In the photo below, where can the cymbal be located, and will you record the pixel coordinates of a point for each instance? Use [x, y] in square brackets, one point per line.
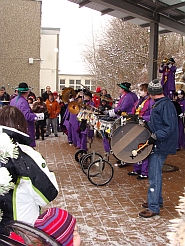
[73, 107]
[67, 94]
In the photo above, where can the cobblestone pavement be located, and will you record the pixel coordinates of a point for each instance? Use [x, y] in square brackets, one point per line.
[108, 215]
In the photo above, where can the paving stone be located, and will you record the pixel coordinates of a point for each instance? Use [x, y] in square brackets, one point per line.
[108, 215]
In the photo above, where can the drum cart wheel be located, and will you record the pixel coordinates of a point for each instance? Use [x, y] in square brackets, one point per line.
[79, 154]
[100, 172]
[87, 159]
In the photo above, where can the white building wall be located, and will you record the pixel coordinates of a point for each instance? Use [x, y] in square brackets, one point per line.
[49, 56]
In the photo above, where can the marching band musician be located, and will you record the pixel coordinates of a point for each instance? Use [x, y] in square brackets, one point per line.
[142, 108]
[74, 123]
[125, 104]
[83, 130]
[181, 101]
[168, 69]
[126, 101]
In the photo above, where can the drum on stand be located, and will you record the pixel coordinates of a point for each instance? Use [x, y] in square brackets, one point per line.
[127, 138]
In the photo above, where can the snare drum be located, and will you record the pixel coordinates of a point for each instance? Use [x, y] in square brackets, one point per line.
[127, 138]
[118, 122]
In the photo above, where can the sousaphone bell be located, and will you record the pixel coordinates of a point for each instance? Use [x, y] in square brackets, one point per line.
[67, 94]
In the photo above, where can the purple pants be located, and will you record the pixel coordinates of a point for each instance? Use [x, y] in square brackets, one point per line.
[142, 168]
[181, 140]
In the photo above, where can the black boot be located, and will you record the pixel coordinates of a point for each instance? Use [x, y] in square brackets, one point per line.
[42, 137]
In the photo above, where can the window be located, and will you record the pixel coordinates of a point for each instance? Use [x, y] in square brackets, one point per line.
[87, 82]
[71, 81]
[78, 82]
[61, 84]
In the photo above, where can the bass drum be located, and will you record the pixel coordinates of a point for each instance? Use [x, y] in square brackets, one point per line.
[130, 137]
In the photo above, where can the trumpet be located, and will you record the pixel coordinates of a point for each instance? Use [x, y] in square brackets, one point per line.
[165, 60]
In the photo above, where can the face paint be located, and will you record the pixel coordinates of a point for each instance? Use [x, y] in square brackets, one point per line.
[142, 93]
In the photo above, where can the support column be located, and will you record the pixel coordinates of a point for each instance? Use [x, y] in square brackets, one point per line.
[153, 51]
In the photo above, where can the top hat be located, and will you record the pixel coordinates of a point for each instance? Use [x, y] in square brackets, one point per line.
[125, 86]
[88, 93]
[171, 60]
[23, 87]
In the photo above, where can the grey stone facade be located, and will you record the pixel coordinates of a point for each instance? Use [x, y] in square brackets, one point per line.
[20, 30]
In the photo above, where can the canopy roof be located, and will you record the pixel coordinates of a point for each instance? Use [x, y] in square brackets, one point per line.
[169, 14]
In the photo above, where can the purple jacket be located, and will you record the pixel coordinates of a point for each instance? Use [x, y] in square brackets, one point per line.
[169, 85]
[22, 104]
[146, 109]
[125, 104]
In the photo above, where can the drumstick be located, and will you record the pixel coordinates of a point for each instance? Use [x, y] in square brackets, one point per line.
[135, 152]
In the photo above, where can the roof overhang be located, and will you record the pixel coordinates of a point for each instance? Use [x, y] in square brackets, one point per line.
[169, 14]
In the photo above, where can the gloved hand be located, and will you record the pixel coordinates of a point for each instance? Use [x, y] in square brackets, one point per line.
[170, 65]
[152, 139]
[181, 115]
[141, 121]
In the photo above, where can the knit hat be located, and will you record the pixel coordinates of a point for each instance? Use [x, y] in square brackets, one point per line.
[125, 86]
[57, 223]
[23, 87]
[155, 88]
[55, 93]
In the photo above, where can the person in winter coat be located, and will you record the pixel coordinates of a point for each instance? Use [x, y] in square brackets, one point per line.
[39, 107]
[21, 103]
[163, 125]
[34, 185]
[53, 108]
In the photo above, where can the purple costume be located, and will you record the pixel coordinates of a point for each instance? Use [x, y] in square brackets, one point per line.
[68, 125]
[181, 140]
[74, 124]
[86, 133]
[144, 112]
[135, 97]
[21, 103]
[168, 80]
[125, 103]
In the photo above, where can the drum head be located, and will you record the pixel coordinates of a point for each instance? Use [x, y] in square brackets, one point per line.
[130, 137]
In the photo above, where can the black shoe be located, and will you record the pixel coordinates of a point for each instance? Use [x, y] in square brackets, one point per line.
[70, 142]
[42, 137]
[123, 164]
[46, 136]
[142, 177]
[56, 135]
[133, 173]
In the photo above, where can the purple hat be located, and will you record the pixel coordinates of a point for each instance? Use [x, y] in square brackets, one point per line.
[57, 223]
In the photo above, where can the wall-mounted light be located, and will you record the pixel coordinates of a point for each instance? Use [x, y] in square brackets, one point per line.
[30, 60]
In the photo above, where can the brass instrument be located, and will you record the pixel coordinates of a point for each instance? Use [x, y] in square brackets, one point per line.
[67, 94]
[75, 107]
[165, 61]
